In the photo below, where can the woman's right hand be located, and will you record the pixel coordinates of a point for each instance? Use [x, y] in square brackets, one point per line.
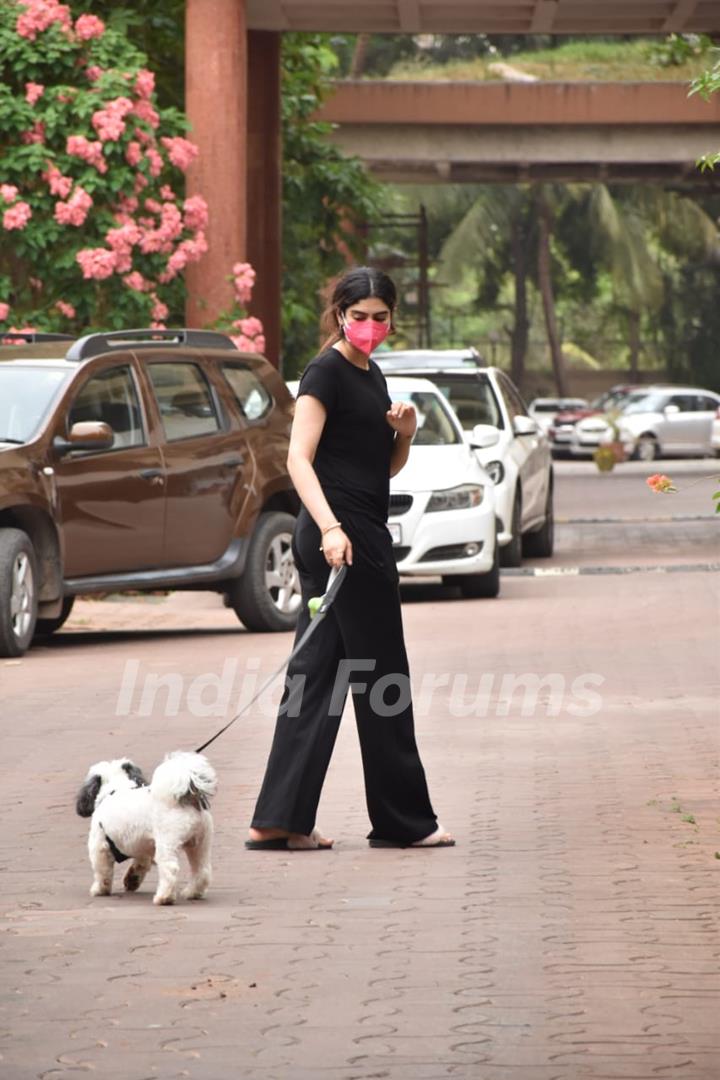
[337, 548]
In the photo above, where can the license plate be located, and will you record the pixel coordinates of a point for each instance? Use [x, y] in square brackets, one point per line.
[395, 530]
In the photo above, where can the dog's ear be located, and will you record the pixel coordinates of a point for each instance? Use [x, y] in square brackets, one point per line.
[134, 774]
[87, 795]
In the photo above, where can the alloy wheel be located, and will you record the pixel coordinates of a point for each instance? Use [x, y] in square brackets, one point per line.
[281, 577]
[21, 595]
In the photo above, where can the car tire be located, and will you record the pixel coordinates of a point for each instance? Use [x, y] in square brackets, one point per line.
[646, 449]
[45, 627]
[18, 592]
[539, 544]
[511, 554]
[481, 586]
[267, 596]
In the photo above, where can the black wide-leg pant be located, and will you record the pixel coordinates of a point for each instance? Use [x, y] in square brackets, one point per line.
[364, 624]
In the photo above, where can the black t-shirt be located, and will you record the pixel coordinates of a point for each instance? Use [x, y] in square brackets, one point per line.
[352, 461]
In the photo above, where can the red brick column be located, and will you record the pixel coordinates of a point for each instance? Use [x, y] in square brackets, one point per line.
[216, 103]
[264, 183]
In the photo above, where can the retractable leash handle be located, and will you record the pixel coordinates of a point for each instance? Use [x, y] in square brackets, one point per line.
[321, 605]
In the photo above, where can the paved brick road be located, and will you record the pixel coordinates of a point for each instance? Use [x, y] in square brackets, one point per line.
[572, 933]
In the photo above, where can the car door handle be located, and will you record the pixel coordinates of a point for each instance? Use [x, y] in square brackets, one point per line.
[154, 475]
[233, 462]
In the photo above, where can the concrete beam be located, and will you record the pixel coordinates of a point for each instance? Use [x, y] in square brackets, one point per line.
[516, 104]
[680, 15]
[543, 17]
[409, 16]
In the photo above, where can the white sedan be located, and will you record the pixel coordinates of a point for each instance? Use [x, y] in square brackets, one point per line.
[442, 506]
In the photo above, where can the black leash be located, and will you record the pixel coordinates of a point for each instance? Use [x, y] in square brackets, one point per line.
[334, 582]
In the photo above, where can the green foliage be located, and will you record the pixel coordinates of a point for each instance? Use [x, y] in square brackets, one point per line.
[676, 49]
[326, 196]
[39, 264]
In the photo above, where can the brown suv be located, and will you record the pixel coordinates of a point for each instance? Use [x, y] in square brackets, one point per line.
[142, 460]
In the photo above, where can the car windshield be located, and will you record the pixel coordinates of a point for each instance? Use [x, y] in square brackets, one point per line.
[473, 401]
[25, 395]
[642, 403]
[435, 427]
[546, 406]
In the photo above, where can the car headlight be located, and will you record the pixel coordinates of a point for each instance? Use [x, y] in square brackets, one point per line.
[458, 498]
[496, 471]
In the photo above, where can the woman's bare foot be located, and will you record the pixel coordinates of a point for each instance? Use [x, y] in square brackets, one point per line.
[296, 841]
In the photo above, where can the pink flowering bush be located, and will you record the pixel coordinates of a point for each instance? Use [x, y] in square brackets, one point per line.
[94, 225]
[245, 330]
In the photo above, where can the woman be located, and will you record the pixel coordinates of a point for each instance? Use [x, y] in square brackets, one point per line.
[347, 440]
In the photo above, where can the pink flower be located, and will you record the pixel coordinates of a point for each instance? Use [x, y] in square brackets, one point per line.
[251, 326]
[660, 484]
[92, 152]
[245, 344]
[167, 193]
[110, 121]
[88, 27]
[65, 309]
[36, 134]
[17, 216]
[4, 311]
[244, 281]
[136, 281]
[144, 83]
[156, 161]
[180, 151]
[33, 91]
[153, 206]
[41, 14]
[133, 153]
[195, 211]
[140, 183]
[124, 237]
[75, 210]
[128, 204]
[144, 111]
[160, 311]
[59, 184]
[8, 192]
[96, 263]
[94, 72]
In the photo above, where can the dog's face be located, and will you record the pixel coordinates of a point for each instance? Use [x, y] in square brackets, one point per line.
[104, 777]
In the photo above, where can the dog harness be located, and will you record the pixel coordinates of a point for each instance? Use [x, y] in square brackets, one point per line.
[117, 854]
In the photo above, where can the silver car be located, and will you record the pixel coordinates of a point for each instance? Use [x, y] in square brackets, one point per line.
[672, 421]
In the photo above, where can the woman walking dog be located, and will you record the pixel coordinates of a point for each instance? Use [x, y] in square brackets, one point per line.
[347, 440]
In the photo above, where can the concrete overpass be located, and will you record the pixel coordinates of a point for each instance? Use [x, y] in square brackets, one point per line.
[428, 132]
[233, 102]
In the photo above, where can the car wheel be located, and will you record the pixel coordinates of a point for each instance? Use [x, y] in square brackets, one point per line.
[539, 545]
[481, 586]
[44, 627]
[267, 596]
[646, 448]
[18, 592]
[511, 554]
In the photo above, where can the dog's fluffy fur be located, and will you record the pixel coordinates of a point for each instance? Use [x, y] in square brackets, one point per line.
[150, 823]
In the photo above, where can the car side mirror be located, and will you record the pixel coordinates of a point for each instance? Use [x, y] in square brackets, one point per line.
[85, 435]
[671, 410]
[483, 436]
[524, 425]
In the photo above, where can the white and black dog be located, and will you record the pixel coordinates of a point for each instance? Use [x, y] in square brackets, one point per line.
[148, 823]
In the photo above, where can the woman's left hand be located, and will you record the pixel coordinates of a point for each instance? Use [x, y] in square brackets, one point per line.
[402, 418]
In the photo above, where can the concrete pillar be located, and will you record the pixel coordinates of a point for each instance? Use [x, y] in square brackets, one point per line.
[216, 103]
[264, 183]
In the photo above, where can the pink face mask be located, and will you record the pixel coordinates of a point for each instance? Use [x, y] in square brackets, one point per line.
[366, 334]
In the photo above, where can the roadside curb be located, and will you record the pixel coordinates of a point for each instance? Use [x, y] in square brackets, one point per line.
[582, 571]
[634, 520]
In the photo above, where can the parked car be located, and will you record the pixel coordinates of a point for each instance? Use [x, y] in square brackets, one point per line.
[142, 460]
[398, 360]
[672, 421]
[441, 514]
[561, 430]
[544, 410]
[715, 434]
[442, 507]
[516, 454]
